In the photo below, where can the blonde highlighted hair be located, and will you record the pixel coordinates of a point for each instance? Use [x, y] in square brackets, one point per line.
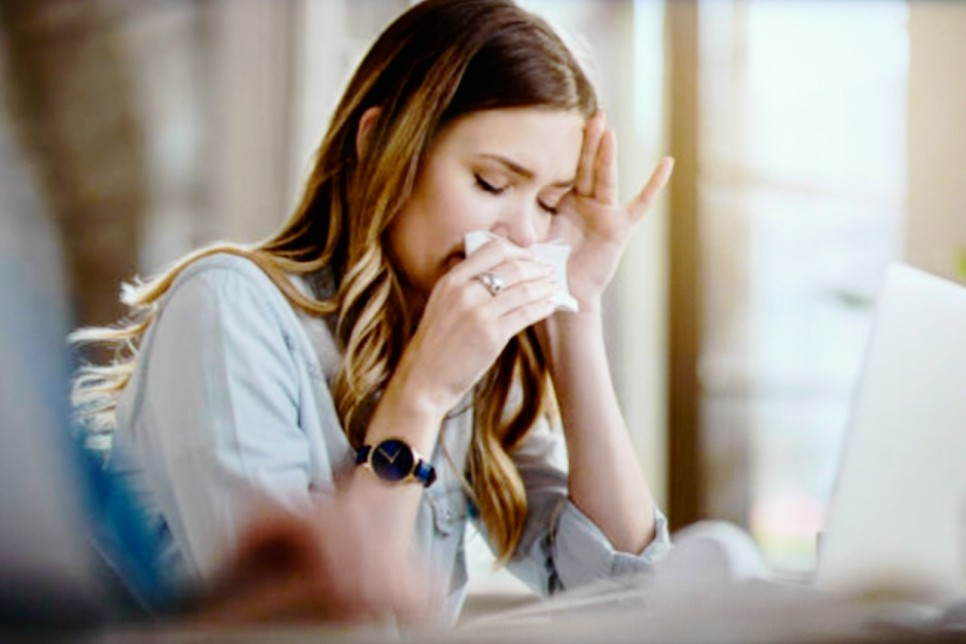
[440, 60]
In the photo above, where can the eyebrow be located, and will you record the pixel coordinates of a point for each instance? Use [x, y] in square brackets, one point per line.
[526, 173]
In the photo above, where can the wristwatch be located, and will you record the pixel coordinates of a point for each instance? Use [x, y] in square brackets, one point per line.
[394, 461]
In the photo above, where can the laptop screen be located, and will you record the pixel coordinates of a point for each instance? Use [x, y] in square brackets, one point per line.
[897, 517]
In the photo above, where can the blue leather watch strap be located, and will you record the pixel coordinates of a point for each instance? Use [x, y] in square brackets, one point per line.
[425, 472]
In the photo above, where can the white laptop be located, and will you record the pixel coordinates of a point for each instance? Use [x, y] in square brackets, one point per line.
[897, 518]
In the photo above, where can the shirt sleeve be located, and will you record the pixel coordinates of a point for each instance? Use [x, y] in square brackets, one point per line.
[561, 547]
[218, 415]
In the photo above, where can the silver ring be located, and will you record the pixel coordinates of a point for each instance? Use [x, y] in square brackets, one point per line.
[492, 283]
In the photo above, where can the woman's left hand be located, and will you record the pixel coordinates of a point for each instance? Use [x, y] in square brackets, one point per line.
[591, 219]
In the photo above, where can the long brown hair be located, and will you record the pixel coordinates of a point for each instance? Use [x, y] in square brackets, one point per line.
[439, 60]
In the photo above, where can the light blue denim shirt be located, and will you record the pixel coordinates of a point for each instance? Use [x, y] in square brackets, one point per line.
[230, 407]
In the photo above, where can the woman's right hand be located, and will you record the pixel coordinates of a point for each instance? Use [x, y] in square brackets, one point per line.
[464, 327]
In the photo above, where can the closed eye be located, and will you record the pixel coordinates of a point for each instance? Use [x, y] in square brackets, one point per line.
[548, 208]
[486, 186]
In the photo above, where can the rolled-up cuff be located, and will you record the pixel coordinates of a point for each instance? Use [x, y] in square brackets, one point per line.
[583, 554]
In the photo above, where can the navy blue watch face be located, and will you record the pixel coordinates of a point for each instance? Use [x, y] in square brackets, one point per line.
[392, 460]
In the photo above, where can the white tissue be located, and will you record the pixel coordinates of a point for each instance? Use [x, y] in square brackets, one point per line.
[554, 253]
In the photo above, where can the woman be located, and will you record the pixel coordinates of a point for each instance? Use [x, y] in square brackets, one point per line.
[361, 347]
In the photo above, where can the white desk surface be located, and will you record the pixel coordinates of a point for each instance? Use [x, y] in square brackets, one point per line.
[744, 613]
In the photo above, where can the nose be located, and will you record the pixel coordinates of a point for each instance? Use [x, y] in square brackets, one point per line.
[520, 226]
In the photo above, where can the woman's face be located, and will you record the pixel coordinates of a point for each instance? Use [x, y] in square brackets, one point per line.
[502, 170]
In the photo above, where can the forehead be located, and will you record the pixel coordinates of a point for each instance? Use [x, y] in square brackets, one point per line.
[545, 141]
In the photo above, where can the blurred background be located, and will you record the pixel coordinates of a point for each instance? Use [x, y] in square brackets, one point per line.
[815, 141]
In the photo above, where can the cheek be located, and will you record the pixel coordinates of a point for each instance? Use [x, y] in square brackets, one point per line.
[407, 243]
[543, 227]
[454, 211]
[459, 207]
[420, 240]
[431, 226]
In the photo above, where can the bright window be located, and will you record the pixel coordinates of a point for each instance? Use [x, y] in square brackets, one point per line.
[802, 193]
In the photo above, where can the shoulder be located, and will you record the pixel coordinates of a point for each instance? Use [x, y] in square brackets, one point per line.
[227, 297]
[226, 281]
[231, 295]
[223, 268]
